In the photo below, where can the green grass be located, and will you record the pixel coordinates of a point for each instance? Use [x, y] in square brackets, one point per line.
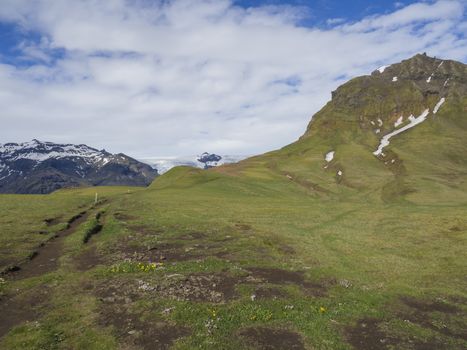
[367, 255]
[22, 218]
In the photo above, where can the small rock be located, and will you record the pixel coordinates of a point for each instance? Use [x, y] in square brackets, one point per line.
[345, 283]
[168, 310]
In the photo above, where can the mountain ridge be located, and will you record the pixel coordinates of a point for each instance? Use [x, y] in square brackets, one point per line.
[43, 167]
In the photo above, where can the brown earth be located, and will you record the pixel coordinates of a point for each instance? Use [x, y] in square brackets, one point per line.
[21, 308]
[45, 259]
[132, 329]
[264, 338]
[429, 306]
[279, 276]
[124, 217]
[446, 322]
[88, 259]
[213, 288]
[270, 293]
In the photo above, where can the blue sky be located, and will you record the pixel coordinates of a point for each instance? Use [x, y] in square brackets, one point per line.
[180, 77]
[322, 10]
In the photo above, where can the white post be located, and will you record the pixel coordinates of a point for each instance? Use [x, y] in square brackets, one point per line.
[95, 200]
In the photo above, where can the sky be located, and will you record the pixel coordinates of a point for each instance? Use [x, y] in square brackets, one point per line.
[179, 77]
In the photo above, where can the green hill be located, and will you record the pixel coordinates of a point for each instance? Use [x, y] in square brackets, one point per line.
[426, 163]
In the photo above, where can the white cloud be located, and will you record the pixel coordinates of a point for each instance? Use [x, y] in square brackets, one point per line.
[182, 77]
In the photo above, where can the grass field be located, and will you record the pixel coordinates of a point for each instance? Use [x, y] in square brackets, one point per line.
[214, 260]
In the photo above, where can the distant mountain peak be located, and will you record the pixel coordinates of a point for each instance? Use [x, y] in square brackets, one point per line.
[209, 159]
[40, 167]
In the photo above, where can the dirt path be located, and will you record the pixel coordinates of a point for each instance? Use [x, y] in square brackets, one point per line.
[46, 259]
[24, 307]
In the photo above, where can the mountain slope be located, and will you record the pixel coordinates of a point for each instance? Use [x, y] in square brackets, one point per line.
[43, 167]
[396, 134]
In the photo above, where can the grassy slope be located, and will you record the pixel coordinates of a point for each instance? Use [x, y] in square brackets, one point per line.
[366, 255]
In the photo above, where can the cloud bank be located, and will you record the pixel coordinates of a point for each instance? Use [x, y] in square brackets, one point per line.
[182, 77]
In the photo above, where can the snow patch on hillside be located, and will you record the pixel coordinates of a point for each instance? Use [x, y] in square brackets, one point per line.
[399, 121]
[438, 105]
[329, 156]
[382, 69]
[412, 122]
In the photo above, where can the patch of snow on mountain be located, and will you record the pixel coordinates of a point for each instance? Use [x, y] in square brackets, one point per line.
[394, 79]
[438, 105]
[429, 78]
[382, 69]
[329, 156]
[399, 121]
[40, 151]
[412, 122]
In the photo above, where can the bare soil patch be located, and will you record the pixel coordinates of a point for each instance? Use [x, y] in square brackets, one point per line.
[279, 276]
[88, 259]
[193, 236]
[169, 252]
[366, 335]
[371, 334]
[446, 322]
[286, 249]
[214, 288]
[124, 217]
[145, 230]
[162, 252]
[243, 227]
[132, 329]
[265, 338]
[21, 308]
[52, 221]
[450, 320]
[270, 293]
[429, 306]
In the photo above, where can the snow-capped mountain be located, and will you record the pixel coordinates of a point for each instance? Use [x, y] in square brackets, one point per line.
[164, 164]
[42, 167]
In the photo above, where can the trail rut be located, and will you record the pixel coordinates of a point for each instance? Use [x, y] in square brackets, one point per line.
[46, 258]
[20, 308]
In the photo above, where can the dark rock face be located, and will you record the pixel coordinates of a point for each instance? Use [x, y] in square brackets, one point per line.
[43, 167]
[405, 88]
[209, 159]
